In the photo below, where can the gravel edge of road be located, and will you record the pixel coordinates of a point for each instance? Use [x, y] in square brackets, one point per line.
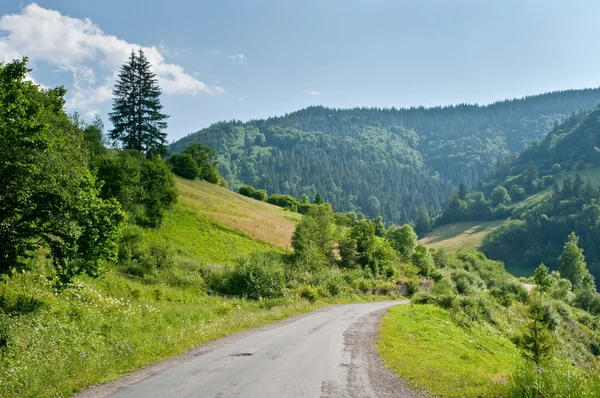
[361, 341]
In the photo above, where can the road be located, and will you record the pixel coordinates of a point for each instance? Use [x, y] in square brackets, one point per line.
[327, 353]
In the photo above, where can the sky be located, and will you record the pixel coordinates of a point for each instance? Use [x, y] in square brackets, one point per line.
[250, 59]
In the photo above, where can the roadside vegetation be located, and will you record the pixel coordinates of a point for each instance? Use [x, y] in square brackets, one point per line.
[110, 263]
[479, 332]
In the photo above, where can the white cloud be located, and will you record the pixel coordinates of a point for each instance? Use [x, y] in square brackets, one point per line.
[237, 57]
[93, 57]
[314, 93]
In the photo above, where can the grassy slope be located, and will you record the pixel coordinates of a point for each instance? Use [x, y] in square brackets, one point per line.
[103, 329]
[456, 236]
[213, 224]
[424, 346]
[470, 234]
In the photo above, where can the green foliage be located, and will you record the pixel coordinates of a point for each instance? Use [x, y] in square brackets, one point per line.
[397, 156]
[555, 380]
[48, 199]
[285, 201]
[205, 161]
[184, 166]
[403, 239]
[260, 276]
[136, 117]
[544, 282]
[499, 196]
[423, 260]
[538, 340]
[362, 248]
[258, 194]
[423, 222]
[315, 232]
[160, 192]
[133, 180]
[572, 262]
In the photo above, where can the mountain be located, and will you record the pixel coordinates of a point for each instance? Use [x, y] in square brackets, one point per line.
[539, 226]
[383, 162]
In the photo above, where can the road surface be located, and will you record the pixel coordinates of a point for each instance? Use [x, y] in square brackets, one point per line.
[327, 353]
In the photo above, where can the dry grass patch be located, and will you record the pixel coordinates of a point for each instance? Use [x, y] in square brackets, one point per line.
[260, 220]
[460, 235]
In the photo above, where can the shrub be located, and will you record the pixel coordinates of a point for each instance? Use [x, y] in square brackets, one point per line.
[184, 166]
[422, 259]
[308, 292]
[260, 276]
[250, 192]
[557, 379]
[285, 201]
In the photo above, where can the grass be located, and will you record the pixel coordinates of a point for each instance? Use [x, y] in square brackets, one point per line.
[260, 220]
[102, 329]
[422, 345]
[214, 225]
[201, 238]
[461, 235]
[54, 344]
[470, 234]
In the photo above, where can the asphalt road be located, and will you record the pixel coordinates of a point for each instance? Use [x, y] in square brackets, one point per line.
[327, 353]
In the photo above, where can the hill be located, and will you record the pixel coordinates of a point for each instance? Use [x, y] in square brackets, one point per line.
[460, 235]
[383, 162]
[548, 191]
[214, 224]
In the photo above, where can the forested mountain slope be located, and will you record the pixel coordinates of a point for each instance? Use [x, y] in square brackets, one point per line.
[539, 229]
[547, 192]
[383, 162]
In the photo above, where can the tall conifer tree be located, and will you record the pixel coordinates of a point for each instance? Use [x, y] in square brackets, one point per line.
[136, 117]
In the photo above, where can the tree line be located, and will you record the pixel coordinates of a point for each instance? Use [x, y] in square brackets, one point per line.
[383, 162]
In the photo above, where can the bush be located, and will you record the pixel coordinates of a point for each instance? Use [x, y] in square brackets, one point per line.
[250, 192]
[556, 380]
[184, 166]
[285, 201]
[261, 276]
[308, 292]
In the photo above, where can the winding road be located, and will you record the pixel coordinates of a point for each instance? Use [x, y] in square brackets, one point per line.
[327, 353]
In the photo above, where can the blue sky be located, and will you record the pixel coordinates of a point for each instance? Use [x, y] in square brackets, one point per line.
[222, 60]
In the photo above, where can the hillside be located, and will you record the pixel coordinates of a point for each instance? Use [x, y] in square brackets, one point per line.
[383, 162]
[548, 191]
[216, 224]
[460, 235]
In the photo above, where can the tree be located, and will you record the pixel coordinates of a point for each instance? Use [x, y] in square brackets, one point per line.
[462, 191]
[499, 196]
[205, 159]
[403, 239]
[160, 192]
[315, 232]
[572, 262]
[542, 279]
[137, 118]
[423, 222]
[93, 135]
[379, 227]
[304, 199]
[318, 199]
[48, 197]
[184, 166]
[423, 260]
[538, 340]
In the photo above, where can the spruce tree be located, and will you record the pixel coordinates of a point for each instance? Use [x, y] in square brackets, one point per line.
[572, 262]
[136, 117]
[423, 222]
